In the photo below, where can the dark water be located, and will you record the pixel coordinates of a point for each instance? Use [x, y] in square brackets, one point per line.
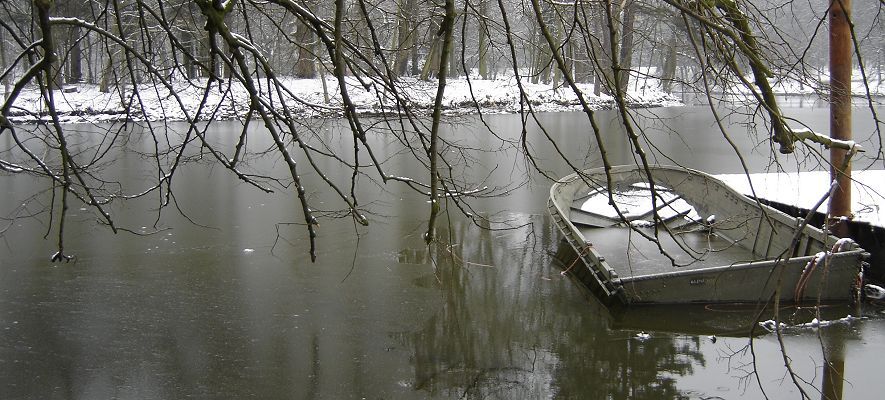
[233, 308]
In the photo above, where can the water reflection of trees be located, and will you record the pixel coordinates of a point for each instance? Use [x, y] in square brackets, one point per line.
[511, 327]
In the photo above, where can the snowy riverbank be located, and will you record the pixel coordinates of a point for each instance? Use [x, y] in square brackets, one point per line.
[804, 189]
[311, 98]
[307, 98]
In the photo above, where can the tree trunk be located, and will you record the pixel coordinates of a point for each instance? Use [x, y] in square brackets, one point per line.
[93, 60]
[668, 72]
[626, 53]
[603, 57]
[75, 59]
[454, 56]
[671, 56]
[483, 33]
[557, 73]
[56, 73]
[431, 63]
[108, 72]
[305, 65]
[414, 64]
[104, 82]
[542, 62]
[5, 82]
[405, 35]
[227, 71]
[212, 61]
[187, 41]
[543, 56]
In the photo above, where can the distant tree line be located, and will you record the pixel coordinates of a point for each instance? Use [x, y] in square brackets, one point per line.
[650, 37]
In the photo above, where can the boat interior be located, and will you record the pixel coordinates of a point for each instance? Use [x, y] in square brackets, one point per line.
[655, 231]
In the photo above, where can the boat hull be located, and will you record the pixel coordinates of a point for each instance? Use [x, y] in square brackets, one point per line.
[754, 282]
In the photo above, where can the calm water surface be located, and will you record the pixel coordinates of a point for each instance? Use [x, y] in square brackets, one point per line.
[233, 308]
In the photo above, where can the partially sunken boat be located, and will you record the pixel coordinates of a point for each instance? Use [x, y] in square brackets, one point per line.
[683, 236]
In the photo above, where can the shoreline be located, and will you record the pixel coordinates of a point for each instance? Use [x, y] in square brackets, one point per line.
[316, 98]
[310, 98]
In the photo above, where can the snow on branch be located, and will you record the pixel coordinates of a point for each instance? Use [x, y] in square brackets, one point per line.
[802, 134]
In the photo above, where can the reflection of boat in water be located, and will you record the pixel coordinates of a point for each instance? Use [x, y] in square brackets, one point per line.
[689, 238]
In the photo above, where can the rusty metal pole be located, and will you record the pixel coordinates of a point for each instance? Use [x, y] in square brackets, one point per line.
[840, 111]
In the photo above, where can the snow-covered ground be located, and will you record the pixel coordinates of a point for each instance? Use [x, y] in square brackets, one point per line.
[805, 189]
[814, 84]
[311, 98]
[875, 85]
[85, 103]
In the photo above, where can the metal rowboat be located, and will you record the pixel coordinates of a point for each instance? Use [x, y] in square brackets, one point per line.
[683, 236]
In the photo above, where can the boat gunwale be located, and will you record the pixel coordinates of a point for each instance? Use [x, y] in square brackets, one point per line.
[778, 262]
